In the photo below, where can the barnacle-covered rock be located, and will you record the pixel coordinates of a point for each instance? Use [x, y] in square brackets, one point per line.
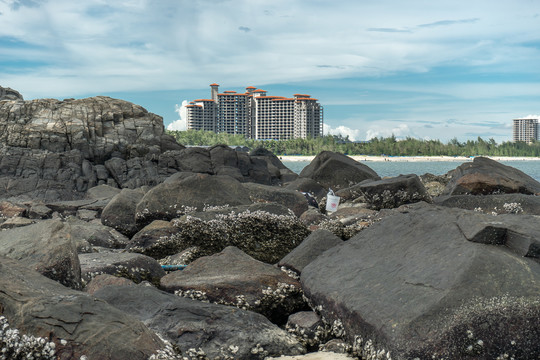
[494, 204]
[121, 210]
[264, 235]
[388, 193]
[234, 278]
[309, 328]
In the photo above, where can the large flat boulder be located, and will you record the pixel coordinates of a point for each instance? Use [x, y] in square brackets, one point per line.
[291, 199]
[195, 193]
[45, 247]
[234, 278]
[337, 171]
[79, 325]
[415, 286]
[202, 330]
[484, 176]
[120, 212]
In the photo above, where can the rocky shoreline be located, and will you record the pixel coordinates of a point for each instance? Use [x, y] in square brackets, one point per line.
[96, 199]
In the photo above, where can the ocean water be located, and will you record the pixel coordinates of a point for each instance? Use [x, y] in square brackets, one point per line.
[395, 168]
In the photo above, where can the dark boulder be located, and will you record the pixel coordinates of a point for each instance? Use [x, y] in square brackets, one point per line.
[79, 325]
[45, 247]
[484, 176]
[195, 193]
[234, 278]
[310, 186]
[291, 199]
[202, 330]
[498, 204]
[90, 234]
[387, 193]
[120, 212]
[314, 245]
[135, 267]
[414, 285]
[337, 171]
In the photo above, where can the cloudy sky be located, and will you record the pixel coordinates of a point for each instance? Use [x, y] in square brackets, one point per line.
[425, 69]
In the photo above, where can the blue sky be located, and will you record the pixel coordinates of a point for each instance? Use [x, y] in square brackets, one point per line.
[426, 69]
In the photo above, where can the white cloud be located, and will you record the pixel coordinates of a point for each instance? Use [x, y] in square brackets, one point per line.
[353, 134]
[94, 45]
[530, 117]
[179, 124]
[400, 131]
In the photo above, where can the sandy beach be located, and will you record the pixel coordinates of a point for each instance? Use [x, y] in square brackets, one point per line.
[409, 158]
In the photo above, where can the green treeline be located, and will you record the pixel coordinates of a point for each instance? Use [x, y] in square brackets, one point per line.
[378, 146]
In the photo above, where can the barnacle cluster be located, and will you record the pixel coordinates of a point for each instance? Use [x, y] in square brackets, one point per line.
[15, 346]
[265, 236]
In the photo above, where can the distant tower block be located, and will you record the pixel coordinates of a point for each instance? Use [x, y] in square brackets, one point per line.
[214, 91]
[525, 129]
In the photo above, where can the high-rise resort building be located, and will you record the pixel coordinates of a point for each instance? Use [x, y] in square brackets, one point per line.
[256, 115]
[526, 129]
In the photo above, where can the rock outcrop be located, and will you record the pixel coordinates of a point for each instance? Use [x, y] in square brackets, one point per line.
[9, 94]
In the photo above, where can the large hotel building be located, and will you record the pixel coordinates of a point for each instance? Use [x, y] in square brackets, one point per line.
[525, 129]
[256, 115]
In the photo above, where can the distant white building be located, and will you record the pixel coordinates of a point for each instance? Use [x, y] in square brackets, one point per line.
[525, 129]
[256, 115]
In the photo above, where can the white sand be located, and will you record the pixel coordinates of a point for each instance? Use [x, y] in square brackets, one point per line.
[410, 158]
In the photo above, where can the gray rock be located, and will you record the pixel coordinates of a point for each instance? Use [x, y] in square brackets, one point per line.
[498, 204]
[337, 171]
[96, 234]
[78, 324]
[217, 331]
[387, 193]
[412, 284]
[135, 267]
[309, 328]
[234, 278]
[102, 192]
[314, 245]
[98, 282]
[307, 185]
[16, 222]
[46, 247]
[39, 211]
[484, 176]
[121, 210]
[9, 209]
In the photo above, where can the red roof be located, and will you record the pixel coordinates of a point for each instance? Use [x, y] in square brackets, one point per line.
[301, 99]
[214, 84]
[190, 106]
[231, 93]
[203, 100]
[259, 90]
[251, 87]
